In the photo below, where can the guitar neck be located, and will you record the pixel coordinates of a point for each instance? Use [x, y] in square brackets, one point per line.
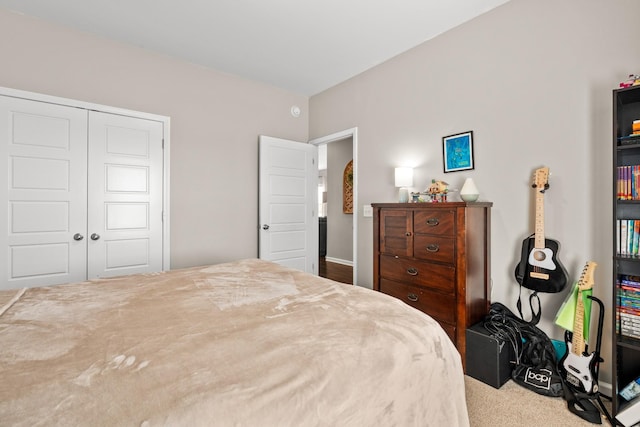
[577, 340]
[539, 221]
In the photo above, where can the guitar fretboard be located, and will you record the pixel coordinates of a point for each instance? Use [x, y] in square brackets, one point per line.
[577, 340]
[539, 222]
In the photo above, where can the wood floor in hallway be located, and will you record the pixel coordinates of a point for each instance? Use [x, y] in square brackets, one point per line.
[334, 271]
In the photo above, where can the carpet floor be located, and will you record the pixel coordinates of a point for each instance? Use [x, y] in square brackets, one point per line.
[514, 405]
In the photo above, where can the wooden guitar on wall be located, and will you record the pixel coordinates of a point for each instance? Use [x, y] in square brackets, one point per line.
[577, 366]
[539, 268]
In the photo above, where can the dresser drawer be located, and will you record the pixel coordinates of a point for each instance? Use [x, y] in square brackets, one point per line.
[440, 307]
[418, 273]
[435, 221]
[434, 248]
[450, 330]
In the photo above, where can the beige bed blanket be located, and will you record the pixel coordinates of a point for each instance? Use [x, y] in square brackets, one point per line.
[247, 343]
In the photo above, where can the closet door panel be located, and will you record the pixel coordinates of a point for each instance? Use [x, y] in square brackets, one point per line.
[125, 197]
[44, 149]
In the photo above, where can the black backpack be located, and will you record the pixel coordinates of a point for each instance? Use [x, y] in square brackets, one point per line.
[535, 366]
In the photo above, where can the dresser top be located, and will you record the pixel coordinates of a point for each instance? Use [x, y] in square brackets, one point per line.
[442, 205]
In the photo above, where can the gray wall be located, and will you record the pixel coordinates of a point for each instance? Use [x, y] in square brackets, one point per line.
[339, 224]
[215, 122]
[533, 80]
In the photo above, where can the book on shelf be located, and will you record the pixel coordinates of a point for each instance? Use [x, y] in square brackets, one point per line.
[631, 390]
[630, 288]
[629, 139]
[628, 324]
[627, 297]
[635, 237]
[631, 325]
[628, 305]
[629, 332]
[628, 182]
[629, 313]
[622, 236]
[628, 237]
[631, 302]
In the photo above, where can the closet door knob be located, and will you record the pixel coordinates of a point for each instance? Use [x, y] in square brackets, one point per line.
[78, 236]
[95, 236]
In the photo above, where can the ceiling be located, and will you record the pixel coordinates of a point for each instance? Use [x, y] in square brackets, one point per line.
[304, 46]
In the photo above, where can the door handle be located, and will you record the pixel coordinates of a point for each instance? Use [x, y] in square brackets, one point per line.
[78, 236]
[95, 236]
[265, 227]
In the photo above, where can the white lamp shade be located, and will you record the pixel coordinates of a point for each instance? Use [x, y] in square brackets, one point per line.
[404, 177]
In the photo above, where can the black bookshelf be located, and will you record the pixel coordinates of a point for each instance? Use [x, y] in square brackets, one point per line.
[626, 152]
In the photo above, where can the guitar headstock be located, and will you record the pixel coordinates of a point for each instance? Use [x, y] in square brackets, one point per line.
[541, 179]
[586, 278]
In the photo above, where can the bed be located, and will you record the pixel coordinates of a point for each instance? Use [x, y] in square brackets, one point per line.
[246, 343]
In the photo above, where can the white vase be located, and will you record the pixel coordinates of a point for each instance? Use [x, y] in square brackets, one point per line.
[469, 191]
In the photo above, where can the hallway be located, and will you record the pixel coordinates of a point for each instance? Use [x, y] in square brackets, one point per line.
[334, 271]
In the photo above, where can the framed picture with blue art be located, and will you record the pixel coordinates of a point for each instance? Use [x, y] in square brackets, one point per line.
[458, 152]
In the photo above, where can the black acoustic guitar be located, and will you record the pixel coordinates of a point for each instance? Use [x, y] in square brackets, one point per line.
[539, 268]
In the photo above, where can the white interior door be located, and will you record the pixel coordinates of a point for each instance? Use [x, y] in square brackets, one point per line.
[44, 148]
[125, 195]
[288, 220]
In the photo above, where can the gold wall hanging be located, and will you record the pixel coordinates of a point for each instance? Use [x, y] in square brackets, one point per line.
[347, 189]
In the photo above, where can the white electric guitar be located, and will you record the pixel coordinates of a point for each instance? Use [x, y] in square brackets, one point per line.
[577, 366]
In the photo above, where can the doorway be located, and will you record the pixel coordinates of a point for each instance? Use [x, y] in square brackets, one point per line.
[340, 241]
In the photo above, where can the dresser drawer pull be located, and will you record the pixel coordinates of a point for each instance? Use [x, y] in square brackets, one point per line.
[433, 248]
[433, 222]
[408, 233]
[412, 271]
[412, 297]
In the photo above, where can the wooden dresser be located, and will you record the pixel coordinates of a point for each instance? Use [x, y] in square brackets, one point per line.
[436, 258]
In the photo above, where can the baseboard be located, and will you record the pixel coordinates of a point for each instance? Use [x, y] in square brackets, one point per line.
[339, 261]
[605, 388]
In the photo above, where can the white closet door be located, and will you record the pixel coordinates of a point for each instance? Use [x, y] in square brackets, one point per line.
[44, 186]
[125, 195]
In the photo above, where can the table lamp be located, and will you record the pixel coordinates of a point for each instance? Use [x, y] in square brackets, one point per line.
[404, 179]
